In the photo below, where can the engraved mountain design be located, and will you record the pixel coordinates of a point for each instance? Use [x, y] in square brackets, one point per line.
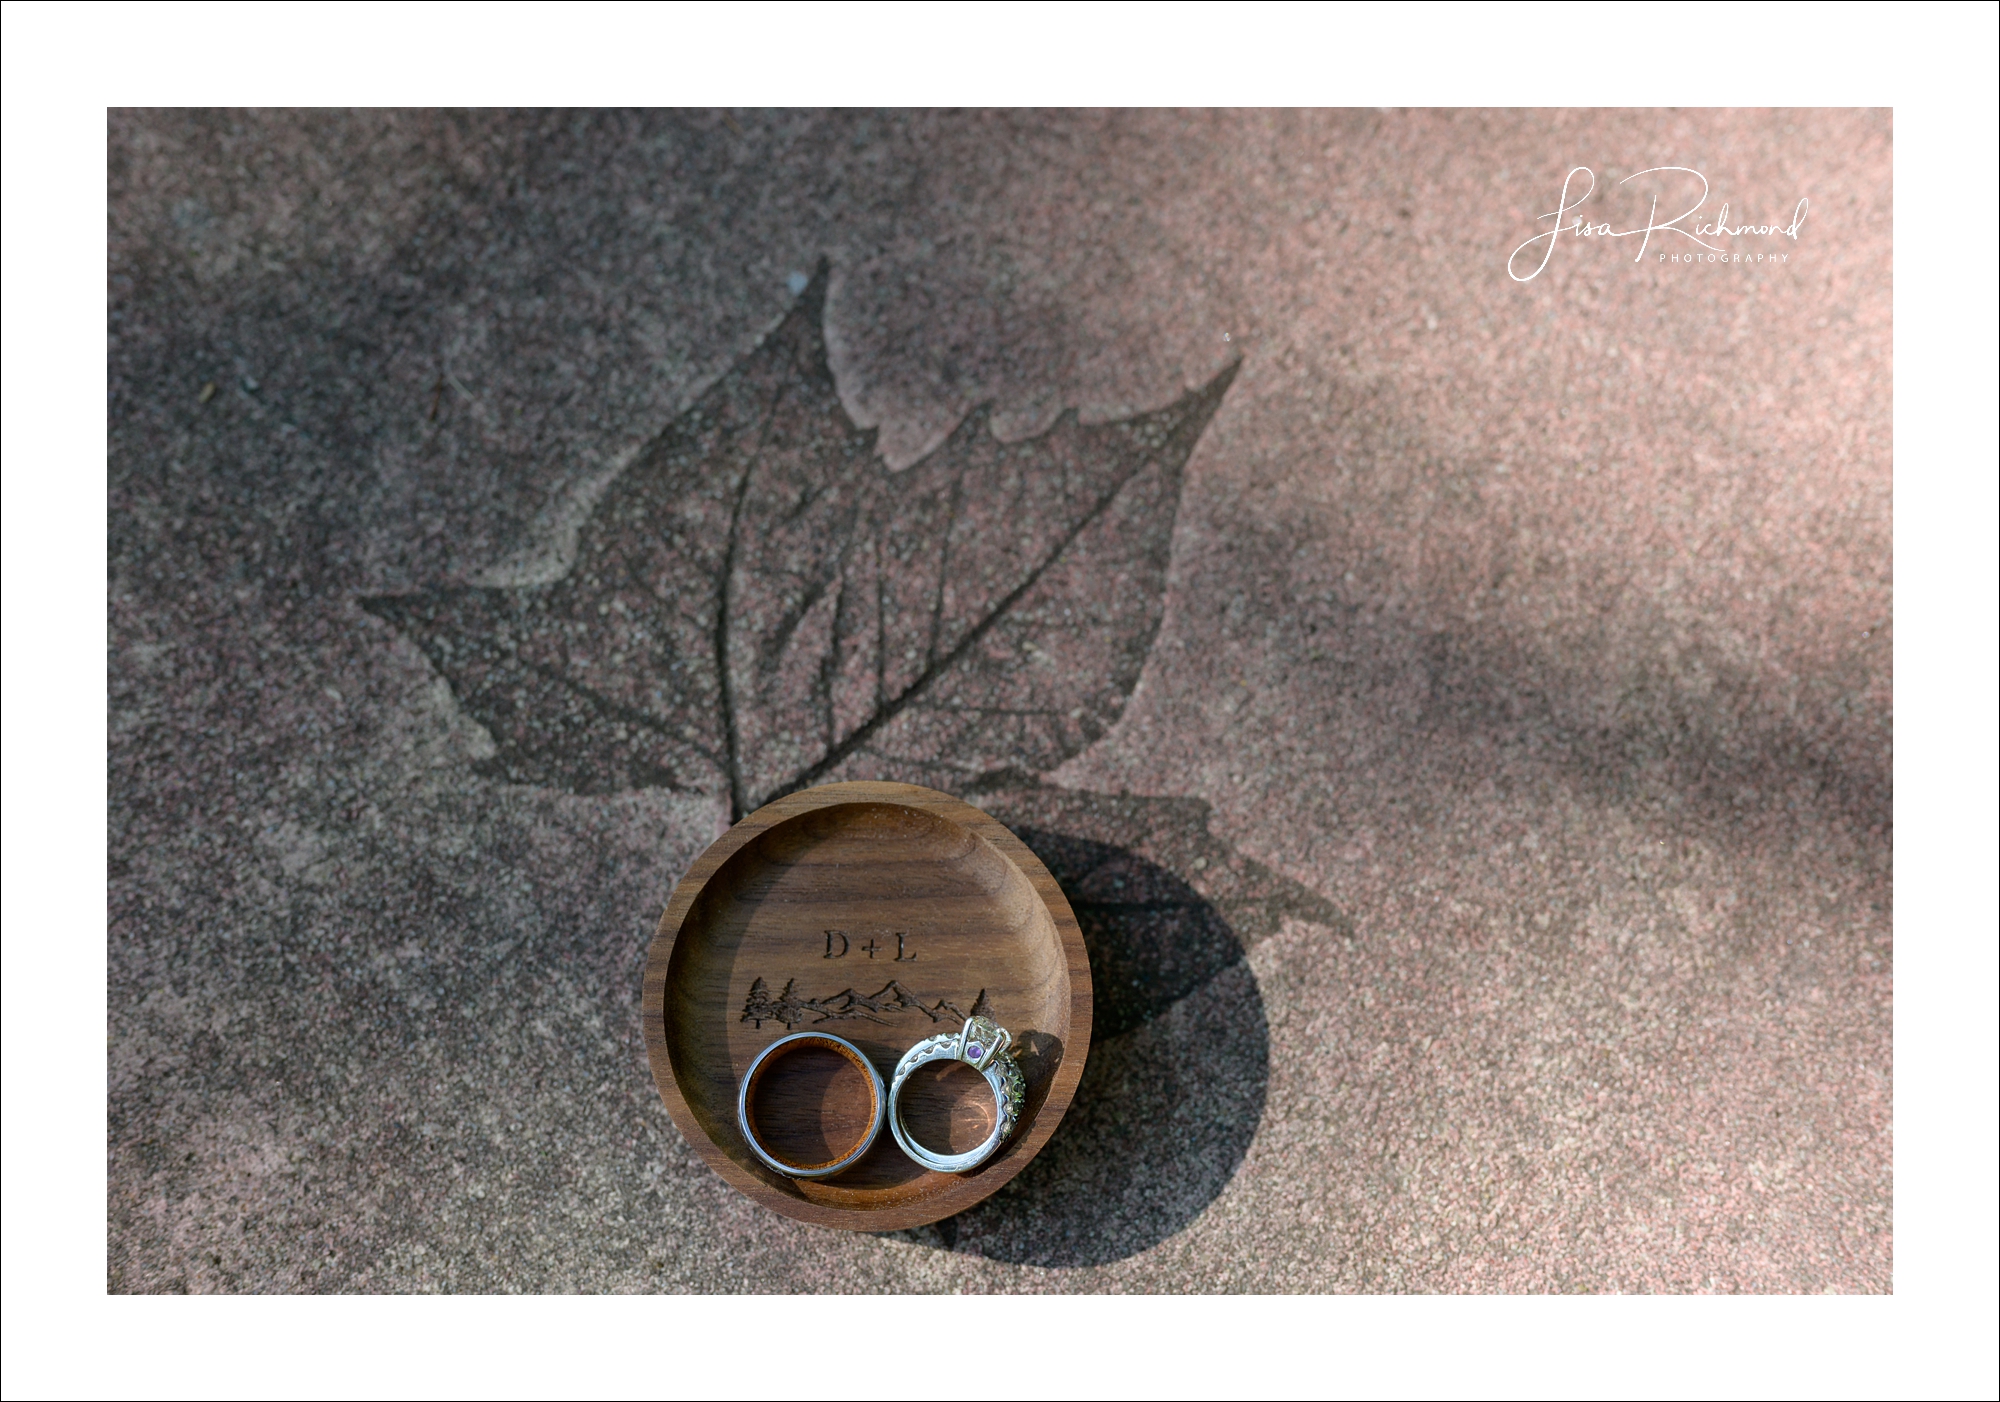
[759, 604]
[790, 1009]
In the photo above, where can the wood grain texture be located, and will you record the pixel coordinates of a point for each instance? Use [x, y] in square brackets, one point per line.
[883, 913]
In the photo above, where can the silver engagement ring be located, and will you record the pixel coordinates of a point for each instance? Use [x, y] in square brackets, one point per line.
[982, 1045]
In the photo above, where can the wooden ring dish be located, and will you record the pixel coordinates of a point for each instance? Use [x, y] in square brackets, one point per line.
[882, 913]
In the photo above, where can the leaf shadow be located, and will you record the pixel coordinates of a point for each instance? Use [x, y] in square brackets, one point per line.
[757, 604]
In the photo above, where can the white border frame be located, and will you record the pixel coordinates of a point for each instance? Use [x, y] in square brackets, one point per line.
[63, 65]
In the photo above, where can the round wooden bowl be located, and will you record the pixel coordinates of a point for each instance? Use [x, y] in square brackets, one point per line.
[881, 913]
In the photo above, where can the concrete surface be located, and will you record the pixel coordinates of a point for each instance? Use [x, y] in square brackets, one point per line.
[1493, 718]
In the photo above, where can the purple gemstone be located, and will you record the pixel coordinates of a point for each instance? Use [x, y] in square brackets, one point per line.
[975, 1051]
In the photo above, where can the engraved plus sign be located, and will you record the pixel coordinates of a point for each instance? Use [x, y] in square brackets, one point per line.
[871, 946]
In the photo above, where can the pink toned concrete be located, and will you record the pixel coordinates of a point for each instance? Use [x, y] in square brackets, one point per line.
[1538, 631]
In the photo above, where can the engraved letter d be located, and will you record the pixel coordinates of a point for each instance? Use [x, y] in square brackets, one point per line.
[831, 952]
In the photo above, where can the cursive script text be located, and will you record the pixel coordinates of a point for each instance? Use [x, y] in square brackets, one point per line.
[1573, 197]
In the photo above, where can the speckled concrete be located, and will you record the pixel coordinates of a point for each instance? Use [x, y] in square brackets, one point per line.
[1512, 742]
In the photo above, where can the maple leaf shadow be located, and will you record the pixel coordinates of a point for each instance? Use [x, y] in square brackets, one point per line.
[759, 604]
[1173, 1089]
